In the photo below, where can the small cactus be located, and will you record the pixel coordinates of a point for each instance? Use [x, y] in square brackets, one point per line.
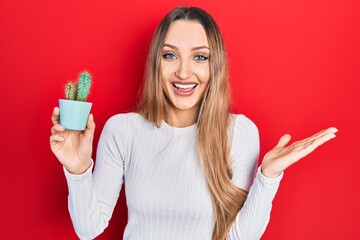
[83, 86]
[71, 91]
[79, 91]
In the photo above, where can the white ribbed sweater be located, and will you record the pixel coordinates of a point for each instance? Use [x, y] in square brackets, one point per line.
[166, 192]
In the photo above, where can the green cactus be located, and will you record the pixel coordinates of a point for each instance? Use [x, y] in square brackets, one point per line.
[79, 91]
[71, 91]
[83, 86]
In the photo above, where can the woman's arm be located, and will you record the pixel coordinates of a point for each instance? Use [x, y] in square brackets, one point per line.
[92, 196]
[252, 219]
[254, 216]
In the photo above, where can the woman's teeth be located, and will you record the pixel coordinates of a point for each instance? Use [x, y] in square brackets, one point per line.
[184, 86]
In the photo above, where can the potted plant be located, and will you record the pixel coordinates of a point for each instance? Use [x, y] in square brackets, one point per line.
[74, 110]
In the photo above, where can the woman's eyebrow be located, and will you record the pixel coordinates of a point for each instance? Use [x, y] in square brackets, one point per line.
[193, 49]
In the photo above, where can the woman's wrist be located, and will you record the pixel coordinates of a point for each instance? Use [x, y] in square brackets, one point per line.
[268, 173]
[79, 170]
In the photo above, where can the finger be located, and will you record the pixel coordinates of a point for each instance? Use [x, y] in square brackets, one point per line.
[285, 139]
[56, 138]
[311, 146]
[55, 116]
[320, 134]
[57, 128]
[90, 127]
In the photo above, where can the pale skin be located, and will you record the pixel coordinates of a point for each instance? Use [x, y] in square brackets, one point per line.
[185, 60]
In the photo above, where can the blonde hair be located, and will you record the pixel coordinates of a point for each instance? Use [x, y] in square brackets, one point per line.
[213, 120]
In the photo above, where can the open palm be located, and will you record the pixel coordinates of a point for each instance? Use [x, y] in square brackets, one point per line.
[282, 156]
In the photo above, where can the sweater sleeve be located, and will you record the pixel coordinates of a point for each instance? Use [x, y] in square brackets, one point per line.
[92, 196]
[251, 221]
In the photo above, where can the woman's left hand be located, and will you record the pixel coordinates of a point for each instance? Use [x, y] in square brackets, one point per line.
[281, 157]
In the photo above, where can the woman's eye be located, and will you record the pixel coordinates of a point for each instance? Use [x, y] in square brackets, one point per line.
[169, 56]
[201, 58]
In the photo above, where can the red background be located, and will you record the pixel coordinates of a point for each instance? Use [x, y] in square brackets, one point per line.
[294, 69]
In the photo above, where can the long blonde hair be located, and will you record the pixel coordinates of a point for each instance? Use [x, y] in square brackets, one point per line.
[213, 120]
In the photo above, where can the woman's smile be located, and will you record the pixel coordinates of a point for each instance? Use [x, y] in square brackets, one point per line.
[184, 89]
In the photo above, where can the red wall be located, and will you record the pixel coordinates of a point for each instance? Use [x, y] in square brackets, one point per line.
[294, 68]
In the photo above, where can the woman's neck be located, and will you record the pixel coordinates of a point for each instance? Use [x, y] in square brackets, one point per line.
[181, 118]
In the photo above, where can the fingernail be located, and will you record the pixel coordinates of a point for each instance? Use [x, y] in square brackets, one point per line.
[61, 138]
[61, 127]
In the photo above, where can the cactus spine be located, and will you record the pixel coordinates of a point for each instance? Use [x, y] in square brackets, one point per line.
[79, 91]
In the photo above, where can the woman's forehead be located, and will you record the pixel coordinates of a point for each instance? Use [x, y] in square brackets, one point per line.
[186, 34]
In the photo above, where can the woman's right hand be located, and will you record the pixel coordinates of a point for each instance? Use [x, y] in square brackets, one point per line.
[72, 148]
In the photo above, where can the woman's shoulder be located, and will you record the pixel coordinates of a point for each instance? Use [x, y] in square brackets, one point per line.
[131, 120]
[243, 124]
[124, 117]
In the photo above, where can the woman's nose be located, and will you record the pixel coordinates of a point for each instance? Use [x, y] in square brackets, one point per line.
[184, 70]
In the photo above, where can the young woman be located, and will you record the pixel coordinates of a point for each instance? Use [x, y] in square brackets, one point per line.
[189, 166]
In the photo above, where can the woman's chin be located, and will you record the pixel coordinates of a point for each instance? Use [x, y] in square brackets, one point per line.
[184, 107]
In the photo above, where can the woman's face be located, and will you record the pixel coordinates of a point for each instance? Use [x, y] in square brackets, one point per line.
[185, 68]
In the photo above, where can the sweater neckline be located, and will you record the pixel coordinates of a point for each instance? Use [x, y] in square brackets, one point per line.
[165, 125]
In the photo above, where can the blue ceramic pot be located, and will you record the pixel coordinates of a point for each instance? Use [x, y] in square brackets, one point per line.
[74, 114]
